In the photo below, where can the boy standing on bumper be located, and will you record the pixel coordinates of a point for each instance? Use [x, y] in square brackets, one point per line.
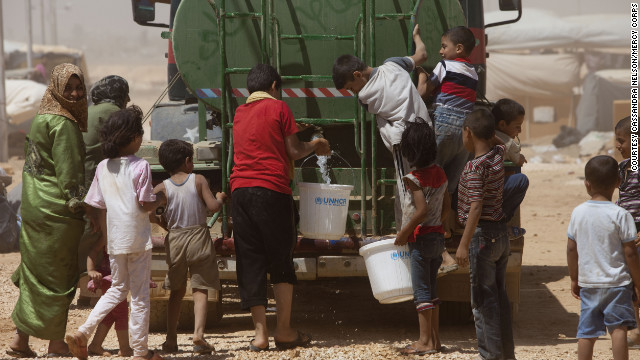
[603, 262]
[188, 243]
[484, 245]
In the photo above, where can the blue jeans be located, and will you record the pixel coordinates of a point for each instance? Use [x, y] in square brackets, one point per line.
[515, 188]
[426, 258]
[488, 256]
[452, 156]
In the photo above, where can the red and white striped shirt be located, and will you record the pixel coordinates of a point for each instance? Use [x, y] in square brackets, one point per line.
[483, 180]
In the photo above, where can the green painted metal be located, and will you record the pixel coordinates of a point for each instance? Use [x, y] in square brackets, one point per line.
[216, 42]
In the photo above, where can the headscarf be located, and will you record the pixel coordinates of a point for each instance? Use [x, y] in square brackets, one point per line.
[112, 89]
[54, 103]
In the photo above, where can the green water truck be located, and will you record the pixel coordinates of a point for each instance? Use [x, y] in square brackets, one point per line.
[212, 46]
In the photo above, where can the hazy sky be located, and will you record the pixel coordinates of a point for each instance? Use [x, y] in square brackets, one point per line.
[105, 31]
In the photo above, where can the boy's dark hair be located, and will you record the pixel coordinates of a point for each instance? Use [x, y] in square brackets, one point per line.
[602, 172]
[261, 77]
[625, 125]
[343, 69]
[462, 35]
[172, 154]
[418, 144]
[120, 129]
[481, 123]
[507, 110]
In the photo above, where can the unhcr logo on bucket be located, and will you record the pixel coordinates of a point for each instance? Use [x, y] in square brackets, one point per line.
[330, 201]
[397, 255]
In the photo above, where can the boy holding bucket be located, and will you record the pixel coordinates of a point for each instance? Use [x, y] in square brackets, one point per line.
[264, 134]
[422, 214]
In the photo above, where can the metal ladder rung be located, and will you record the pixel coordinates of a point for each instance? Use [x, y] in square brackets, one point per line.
[318, 121]
[393, 16]
[307, 77]
[237, 70]
[249, 15]
[317, 37]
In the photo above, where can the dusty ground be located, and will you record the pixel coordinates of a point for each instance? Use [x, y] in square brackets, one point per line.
[347, 323]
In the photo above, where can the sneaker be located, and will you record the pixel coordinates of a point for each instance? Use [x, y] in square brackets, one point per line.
[514, 232]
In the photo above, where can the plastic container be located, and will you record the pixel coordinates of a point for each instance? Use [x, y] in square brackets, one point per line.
[389, 270]
[323, 210]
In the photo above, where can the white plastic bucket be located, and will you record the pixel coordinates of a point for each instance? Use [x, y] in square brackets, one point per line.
[389, 270]
[323, 210]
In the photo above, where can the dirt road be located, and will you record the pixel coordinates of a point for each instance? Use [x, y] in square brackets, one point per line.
[347, 323]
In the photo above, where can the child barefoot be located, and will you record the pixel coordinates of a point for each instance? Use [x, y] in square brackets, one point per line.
[422, 228]
[122, 186]
[101, 278]
[188, 243]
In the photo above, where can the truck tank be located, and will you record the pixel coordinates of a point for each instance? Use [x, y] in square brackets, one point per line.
[214, 43]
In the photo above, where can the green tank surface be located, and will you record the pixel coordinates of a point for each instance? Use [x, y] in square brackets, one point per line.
[302, 39]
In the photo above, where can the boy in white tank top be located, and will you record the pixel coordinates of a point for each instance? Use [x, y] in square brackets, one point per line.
[188, 244]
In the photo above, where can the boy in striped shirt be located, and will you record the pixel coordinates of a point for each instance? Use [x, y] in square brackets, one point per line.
[629, 198]
[453, 85]
[484, 245]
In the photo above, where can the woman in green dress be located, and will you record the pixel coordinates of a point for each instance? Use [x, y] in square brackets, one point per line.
[52, 214]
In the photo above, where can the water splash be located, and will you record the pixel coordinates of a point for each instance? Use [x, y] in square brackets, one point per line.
[324, 169]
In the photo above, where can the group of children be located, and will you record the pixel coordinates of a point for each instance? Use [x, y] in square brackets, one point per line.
[123, 186]
[454, 163]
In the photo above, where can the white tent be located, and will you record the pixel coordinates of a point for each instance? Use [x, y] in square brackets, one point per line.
[23, 99]
[539, 29]
[542, 56]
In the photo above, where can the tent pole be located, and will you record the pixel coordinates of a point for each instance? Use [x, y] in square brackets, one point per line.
[29, 37]
[4, 131]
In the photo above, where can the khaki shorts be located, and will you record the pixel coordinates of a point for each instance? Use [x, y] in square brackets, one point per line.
[191, 250]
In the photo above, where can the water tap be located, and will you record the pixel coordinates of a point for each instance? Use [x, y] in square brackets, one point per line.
[317, 133]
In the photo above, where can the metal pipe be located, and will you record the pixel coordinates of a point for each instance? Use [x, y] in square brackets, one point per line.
[372, 61]
[202, 121]
[29, 36]
[363, 132]
[43, 39]
[223, 106]
[263, 35]
[54, 21]
[4, 121]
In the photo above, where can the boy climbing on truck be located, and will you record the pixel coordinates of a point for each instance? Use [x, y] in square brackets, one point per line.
[509, 116]
[453, 84]
[388, 92]
[188, 244]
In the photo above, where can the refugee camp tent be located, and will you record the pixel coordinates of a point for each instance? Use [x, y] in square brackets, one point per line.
[556, 61]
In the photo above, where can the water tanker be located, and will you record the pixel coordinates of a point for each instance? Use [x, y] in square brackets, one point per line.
[212, 46]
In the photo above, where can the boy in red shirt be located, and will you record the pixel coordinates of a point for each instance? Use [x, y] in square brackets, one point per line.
[264, 135]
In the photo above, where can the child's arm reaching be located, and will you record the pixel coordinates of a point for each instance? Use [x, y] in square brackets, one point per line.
[416, 219]
[572, 261]
[92, 257]
[214, 204]
[153, 217]
[420, 55]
